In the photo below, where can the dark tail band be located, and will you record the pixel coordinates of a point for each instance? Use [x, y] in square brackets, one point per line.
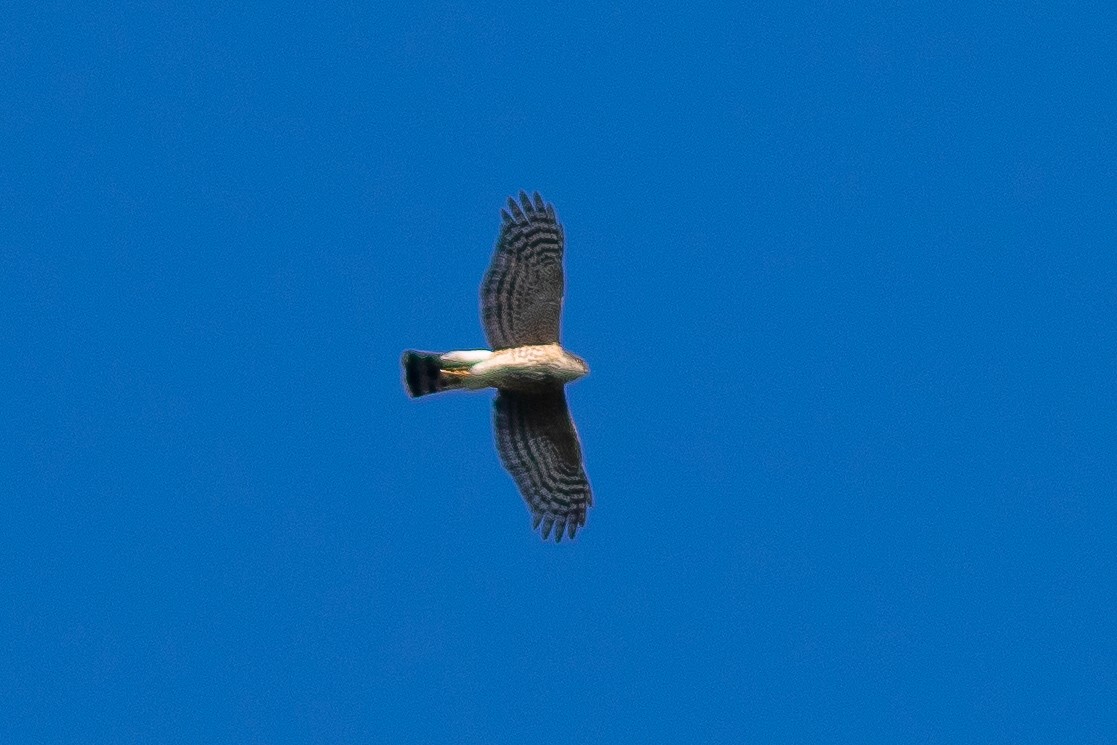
[422, 372]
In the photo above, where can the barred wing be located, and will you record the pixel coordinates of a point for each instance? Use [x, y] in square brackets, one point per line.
[538, 445]
[521, 295]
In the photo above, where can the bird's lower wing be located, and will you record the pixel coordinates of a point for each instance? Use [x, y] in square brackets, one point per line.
[539, 447]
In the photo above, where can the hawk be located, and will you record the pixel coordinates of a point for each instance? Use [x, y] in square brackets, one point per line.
[521, 305]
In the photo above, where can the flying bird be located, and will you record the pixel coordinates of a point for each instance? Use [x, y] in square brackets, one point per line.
[521, 307]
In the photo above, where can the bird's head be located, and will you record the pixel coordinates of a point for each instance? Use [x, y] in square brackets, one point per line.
[576, 367]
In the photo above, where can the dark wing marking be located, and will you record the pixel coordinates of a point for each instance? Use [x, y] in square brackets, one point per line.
[539, 447]
[521, 295]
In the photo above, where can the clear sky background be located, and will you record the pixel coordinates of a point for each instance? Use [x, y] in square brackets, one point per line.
[845, 277]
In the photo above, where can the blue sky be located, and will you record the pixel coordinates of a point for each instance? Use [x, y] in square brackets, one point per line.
[845, 278]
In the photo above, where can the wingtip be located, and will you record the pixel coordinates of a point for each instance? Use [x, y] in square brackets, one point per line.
[525, 202]
[523, 206]
[555, 527]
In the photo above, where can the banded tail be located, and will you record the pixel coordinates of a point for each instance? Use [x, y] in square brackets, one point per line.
[431, 372]
[424, 374]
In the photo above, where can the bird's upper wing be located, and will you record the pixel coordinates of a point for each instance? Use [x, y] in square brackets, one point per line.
[538, 444]
[521, 295]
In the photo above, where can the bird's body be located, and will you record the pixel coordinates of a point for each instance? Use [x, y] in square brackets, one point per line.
[521, 306]
[530, 368]
[526, 369]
